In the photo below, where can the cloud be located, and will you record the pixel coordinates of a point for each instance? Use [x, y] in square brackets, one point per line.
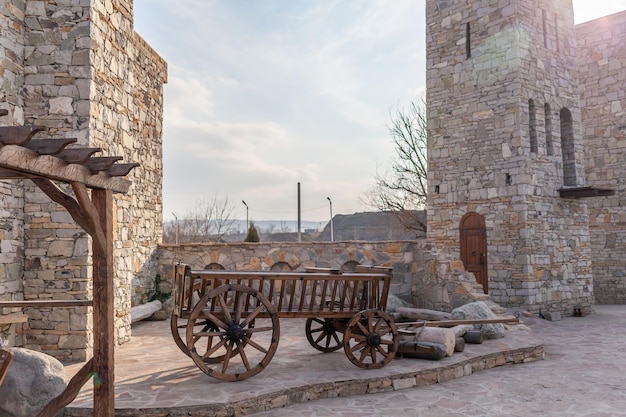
[267, 94]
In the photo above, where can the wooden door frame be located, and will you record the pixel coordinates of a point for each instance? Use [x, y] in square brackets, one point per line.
[472, 221]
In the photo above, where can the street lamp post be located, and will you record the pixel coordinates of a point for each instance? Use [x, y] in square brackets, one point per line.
[247, 225]
[332, 237]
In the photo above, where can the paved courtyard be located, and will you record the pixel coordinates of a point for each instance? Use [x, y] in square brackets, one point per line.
[582, 375]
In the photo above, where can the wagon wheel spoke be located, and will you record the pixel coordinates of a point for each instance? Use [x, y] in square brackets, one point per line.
[238, 308]
[257, 346]
[365, 353]
[382, 351]
[258, 329]
[253, 315]
[227, 318]
[358, 346]
[198, 335]
[229, 354]
[213, 349]
[219, 323]
[243, 355]
[362, 328]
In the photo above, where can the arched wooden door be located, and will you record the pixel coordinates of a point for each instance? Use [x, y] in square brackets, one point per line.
[474, 247]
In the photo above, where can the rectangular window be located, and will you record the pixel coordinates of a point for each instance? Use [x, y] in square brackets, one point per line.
[545, 28]
[556, 32]
[468, 41]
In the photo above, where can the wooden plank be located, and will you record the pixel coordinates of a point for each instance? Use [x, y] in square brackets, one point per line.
[452, 323]
[45, 303]
[103, 311]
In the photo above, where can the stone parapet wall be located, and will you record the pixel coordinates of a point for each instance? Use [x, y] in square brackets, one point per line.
[602, 59]
[420, 277]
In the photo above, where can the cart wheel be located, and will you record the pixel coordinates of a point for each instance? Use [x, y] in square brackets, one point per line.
[176, 325]
[373, 336]
[240, 357]
[328, 339]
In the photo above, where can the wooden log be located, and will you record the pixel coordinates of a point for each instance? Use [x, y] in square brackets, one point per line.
[460, 331]
[421, 350]
[459, 344]
[143, 311]
[474, 336]
[423, 314]
[441, 336]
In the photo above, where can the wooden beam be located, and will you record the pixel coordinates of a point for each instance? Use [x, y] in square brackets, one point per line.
[70, 392]
[48, 146]
[77, 155]
[96, 229]
[20, 159]
[17, 135]
[101, 163]
[80, 216]
[44, 304]
[103, 311]
[121, 170]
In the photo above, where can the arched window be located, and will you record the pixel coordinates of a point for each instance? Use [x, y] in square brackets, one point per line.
[567, 148]
[549, 141]
[532, 125]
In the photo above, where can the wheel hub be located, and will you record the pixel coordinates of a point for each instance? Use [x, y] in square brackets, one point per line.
[235, 332]
[373, 339]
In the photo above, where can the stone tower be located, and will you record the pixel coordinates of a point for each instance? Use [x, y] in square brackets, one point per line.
[506, 150]
[79, 69]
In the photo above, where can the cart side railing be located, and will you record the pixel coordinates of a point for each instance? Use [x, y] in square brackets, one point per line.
[319, 293]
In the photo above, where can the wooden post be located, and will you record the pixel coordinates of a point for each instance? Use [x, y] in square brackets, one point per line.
[103, 308]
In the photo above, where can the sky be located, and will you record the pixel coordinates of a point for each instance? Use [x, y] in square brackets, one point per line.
[265, 94]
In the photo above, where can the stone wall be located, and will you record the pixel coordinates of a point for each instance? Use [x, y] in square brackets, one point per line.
[602, 58]
[420, 277]
[84, 74]
[11, 197]
[486, 61]
[126, 106]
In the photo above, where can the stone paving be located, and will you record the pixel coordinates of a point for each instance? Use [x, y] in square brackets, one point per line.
[582, 375]
[154, 378]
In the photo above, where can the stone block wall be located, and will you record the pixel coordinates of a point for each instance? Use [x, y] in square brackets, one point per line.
[602, 63]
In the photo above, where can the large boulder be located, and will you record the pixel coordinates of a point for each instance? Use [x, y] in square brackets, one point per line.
[480, 311]
[33, 379]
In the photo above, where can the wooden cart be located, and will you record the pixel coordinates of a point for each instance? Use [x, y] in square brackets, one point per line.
[228, 322]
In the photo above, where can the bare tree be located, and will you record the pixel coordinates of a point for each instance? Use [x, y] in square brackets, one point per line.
[402, 189]
[207, 220]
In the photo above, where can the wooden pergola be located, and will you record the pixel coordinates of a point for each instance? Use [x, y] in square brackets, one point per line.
[47, 162]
